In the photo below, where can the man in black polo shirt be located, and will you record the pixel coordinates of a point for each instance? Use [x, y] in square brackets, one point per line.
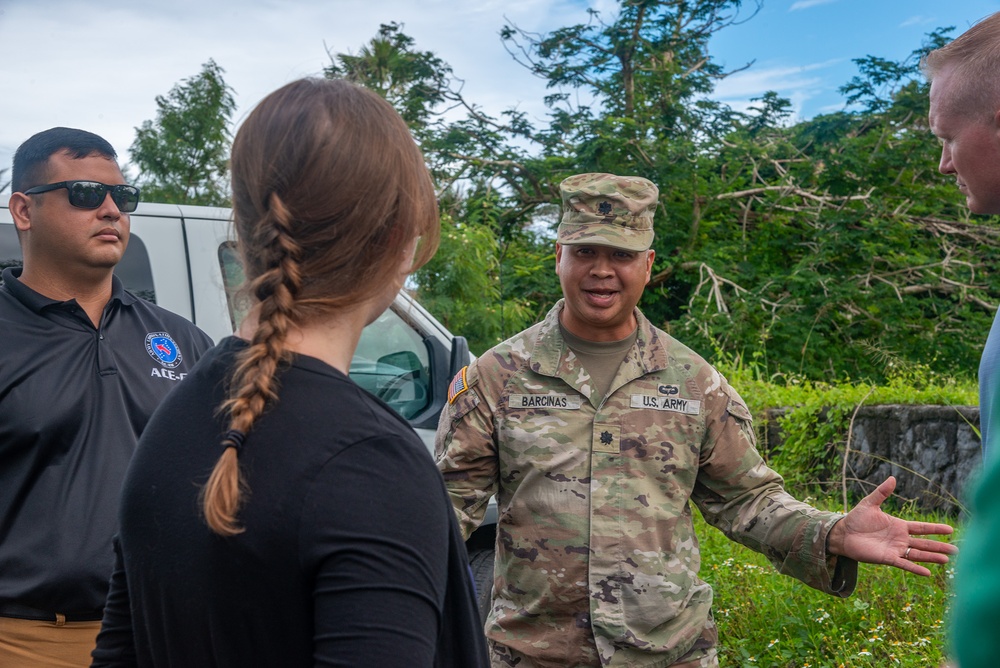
[83, 364]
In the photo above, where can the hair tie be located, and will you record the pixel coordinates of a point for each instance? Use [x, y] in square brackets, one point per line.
[234, 438]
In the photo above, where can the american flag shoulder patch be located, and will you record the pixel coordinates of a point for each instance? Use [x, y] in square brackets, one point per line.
[458, 385]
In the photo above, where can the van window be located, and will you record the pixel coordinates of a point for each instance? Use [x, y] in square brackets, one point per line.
[391, 360]
[392, 363]
[133, 270]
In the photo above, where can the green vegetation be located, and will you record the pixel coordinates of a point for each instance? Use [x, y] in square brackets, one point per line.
[183, 156]
[765, 619]
[818, 414]
[471, 295]
[414, 82]
[807, 243]
[804, 244]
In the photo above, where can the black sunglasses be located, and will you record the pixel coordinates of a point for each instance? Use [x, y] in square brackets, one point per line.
[90, 194]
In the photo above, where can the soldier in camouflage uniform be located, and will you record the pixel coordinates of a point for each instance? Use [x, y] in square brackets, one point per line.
[595, 430]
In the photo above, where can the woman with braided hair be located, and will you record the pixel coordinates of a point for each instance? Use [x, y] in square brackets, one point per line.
[274, 513]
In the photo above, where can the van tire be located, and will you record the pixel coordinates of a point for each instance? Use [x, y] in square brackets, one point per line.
[481, 562]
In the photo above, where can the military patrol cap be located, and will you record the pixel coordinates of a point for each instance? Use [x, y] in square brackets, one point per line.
[608, 210]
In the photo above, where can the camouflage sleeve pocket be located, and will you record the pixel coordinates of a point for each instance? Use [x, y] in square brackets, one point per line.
[463, 404]
[738, 409]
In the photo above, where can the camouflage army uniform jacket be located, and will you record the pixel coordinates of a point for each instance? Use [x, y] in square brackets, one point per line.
[595, 542]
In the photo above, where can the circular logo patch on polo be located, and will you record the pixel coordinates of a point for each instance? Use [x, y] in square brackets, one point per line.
[162, 348]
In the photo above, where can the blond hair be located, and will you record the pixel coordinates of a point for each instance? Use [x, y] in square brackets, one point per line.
[975, 58]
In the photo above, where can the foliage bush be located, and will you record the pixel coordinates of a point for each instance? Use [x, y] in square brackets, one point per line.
[465, 284]
[817, 414]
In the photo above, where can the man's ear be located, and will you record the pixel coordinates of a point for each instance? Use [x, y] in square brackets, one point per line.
[20, 211]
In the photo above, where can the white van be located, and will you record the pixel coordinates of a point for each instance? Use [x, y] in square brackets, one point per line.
[184, 259]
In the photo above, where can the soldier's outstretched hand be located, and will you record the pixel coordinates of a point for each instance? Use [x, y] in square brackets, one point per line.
[869, 535]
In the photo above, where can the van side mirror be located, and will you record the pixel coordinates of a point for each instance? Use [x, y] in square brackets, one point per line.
[443, 367]
[401, 382]
[459, 357]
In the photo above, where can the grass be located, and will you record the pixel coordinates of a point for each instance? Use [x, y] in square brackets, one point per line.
[894, 618]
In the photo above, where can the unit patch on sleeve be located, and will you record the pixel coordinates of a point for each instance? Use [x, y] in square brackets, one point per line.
[458, 385]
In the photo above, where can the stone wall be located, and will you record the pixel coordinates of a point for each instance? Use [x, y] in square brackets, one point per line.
[932, 450]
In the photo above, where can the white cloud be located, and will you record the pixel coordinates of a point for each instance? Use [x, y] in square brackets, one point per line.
[917, 20]
[806, 4]
[797, 84]
[103, 70]
[756, 82]
[831, 108]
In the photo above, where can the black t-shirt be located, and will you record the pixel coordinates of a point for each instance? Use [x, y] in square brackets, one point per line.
[351, 555]
[73, 401]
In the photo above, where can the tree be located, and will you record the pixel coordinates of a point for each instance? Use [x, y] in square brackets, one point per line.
[464, 286]
[414, 82]
[183, 155]
[824, 248]
[833, 247]
[481, 283]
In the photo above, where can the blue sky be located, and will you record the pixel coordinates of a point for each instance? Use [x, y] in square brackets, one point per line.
[804, 49]
[100, 67]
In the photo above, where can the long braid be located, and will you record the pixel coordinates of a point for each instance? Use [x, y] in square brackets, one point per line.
[345, 163]
[254, 384]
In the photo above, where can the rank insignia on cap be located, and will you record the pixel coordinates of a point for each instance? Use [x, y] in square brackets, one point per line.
[458, 385]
